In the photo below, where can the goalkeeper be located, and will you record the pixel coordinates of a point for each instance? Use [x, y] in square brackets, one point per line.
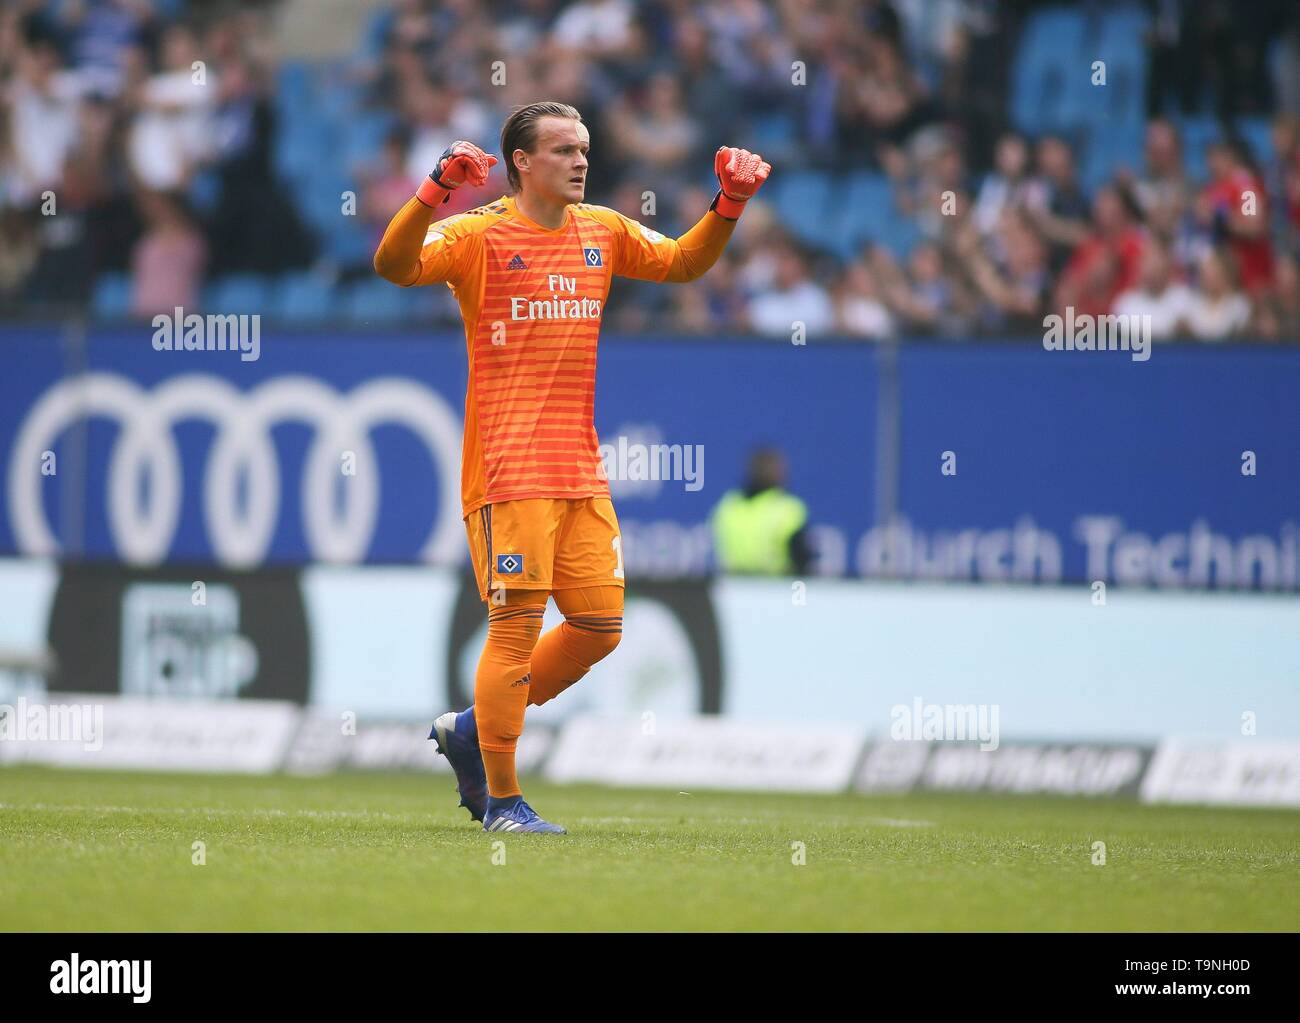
[531, 272]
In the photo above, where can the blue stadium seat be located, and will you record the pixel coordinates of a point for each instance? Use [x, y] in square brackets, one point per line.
[348, 242]
[1052, 88]
[867, 214]
[1048, 70]
[1109, 145]
[303, 298]
[363, 137]
[801, 200]
[378, 25]
[1124, 97]
[376, 301]
[1121, 45]
[205, 190]
[1200, 132]
[774, 136]
[1037, 91]
[1197, 133]
[1062, 28]
[1257, 133]
[303, 148]
[1124, 28]
[900, 236]
[238, 293]
[320, 199]
[336, 94]
[111, 299]
[294, 83]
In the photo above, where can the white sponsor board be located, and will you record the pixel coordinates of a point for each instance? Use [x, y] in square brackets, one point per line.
[329, 741]
[1244, 773]
[706, 753]
[1057, 665]
[892, 766]
[244, 736]
[1071, 769]
[379, 638]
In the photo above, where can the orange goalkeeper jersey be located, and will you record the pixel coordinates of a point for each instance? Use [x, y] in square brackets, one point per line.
[532, 301]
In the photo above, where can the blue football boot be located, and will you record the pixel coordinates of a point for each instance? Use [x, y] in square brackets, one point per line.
[457, 739]
[512, 814]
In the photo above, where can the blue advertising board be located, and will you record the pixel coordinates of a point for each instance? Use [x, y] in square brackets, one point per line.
[970, 461]
[1183, 470]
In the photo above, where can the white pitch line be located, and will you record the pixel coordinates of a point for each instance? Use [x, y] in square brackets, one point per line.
[213, 810]
[382, 815]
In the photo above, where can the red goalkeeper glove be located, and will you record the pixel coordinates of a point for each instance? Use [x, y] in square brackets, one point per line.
[461, 163]
[741, 174]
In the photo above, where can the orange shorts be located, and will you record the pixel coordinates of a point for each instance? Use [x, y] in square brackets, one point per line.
[546, 543]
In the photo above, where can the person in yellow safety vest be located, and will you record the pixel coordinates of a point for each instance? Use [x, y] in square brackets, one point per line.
[762, 529]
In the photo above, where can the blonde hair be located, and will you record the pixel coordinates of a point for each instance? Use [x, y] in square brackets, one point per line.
[520, 132]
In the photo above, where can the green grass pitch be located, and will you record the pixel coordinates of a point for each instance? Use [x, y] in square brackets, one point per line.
[98, 851]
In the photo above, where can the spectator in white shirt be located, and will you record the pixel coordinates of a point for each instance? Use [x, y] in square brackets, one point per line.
[1167, 301]
[1218, 310]
[1163, 191]
[172, 133]
[599, 28]
[659, 134]
[439, 117]
[859, 309]
[793, 300]
[1007, 187]
[44, 104]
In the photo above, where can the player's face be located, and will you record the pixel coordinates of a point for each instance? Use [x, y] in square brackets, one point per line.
[558, 162]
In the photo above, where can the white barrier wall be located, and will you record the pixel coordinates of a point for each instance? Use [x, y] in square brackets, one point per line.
[1143, 665]
[685, 753]
[1040, 663]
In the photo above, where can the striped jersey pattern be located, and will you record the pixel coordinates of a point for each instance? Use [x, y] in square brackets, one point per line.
[532, 301]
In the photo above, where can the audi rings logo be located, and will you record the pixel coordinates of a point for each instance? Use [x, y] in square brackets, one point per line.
[143, 521]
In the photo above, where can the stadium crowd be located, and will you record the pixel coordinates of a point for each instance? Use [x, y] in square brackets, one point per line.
[147, 139]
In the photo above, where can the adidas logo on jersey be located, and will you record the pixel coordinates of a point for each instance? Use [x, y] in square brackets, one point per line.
[517, 263]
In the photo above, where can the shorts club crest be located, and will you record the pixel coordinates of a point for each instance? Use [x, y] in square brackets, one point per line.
[549, 543]
[510, 564]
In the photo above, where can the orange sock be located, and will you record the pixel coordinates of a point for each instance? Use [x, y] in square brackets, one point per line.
[501, 685]
[592, 627]
[502, 778]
